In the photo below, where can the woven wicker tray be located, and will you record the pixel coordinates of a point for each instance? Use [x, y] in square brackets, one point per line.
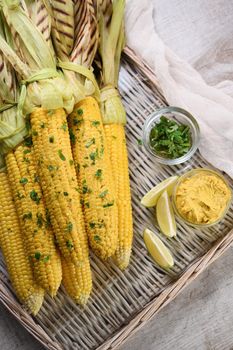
[121, 303]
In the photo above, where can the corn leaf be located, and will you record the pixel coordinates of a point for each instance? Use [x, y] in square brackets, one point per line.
[112, 41]
[12, 124]
[37, 55]
[75, 36]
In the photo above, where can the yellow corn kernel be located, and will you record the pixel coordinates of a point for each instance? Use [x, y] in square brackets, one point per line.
[94, 175]
[60, 188]
[64, 209]
[11, 242]
[116, 143]
[77, 280]
[34, 219]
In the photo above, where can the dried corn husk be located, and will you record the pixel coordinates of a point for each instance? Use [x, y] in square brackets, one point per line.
[35, 63]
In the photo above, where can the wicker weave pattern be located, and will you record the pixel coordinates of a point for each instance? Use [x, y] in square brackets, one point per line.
[122, 302]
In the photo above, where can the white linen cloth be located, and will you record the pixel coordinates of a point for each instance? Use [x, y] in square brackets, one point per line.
[182, 85]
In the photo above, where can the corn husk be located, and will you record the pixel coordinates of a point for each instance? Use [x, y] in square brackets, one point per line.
[12, 123]
[75, 37]
[34, 62]
[112, 41]
[39, 15]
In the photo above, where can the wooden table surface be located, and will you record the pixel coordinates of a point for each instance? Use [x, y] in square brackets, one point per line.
[200, 318]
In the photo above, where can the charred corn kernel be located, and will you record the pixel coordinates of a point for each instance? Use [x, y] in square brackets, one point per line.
[93, 169]
[11, 242]
[34, 219]
[77, 281]
[64, 209]
[116, 143]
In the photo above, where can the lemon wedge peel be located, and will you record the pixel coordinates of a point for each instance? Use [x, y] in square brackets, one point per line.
[150, 199]
[157, 249]
[165, 215]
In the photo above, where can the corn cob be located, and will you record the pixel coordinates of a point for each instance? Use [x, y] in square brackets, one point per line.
[65, 211]
[114, 119]
[95, 180]
[12, 246]
[116, 143]
[63, 201]
[34, 219]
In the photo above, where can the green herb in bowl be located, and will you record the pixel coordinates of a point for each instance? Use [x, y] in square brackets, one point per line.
[170, 139]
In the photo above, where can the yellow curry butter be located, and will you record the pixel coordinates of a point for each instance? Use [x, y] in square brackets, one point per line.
[202, 197]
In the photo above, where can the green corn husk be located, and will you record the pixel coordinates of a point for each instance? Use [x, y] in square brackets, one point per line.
[112, 42]
[33, 58]
[12, 123]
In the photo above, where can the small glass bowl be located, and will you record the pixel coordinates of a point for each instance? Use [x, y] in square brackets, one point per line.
[189, 174]
[180, 116]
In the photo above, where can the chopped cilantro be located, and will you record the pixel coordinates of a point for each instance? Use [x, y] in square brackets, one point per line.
[46, 258]
[42, 125]
[66, 194]
[61, 155]
[26, 151]
[69, 227]
[97, 224]
[86, 189]
[69, 244]
[71, 162]
[140, 142]
[51, 139]
[64, 126]
[93, 156]
[27, 215]
[103, 194]
[98, 174]
[92, 224]
[76, 121]
[34, 196]
[90, 142]
[79, 111]
[37, 256]
[34, 133]
[72, 136]
[170, 139]
[95, 123]
[23, 181]
[101, 151]
[40, 220]
[97, 238]
[51, 167]
[107, 205]
[20, 195]
[36, 178]
[50, 112]
[26, 160]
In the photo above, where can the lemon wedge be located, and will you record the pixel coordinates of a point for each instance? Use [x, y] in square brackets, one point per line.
[150, 199]
[158, 251]
[165, 215]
